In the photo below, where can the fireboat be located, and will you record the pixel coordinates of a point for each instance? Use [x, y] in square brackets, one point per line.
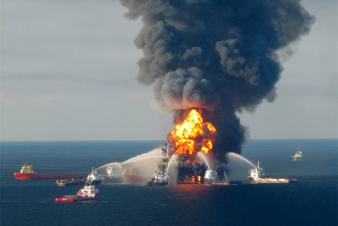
[87, 193]
[257, 176]
[160, 175]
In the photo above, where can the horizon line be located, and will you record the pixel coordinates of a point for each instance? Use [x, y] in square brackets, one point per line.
[151, 140]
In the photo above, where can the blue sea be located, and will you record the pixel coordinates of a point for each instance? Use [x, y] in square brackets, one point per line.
[311, 202]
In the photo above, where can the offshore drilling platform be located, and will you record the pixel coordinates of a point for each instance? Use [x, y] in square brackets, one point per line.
[187, 150]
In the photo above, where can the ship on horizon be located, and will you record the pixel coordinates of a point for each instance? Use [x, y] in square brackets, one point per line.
[297, 156]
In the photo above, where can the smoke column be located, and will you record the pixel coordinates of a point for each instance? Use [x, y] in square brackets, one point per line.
[218, 55]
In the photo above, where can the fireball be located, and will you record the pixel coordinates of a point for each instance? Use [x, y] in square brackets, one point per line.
[192, 134]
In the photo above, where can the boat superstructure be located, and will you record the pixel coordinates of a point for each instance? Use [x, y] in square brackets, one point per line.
[26, 172]
[93, 177]
[297, 156]
[160, 175]
[211, 176]
[88, 192]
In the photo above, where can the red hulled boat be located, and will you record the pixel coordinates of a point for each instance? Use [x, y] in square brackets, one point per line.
[87, 193]
[27, 173]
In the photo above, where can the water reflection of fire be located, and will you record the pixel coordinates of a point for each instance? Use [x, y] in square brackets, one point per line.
[192, 134]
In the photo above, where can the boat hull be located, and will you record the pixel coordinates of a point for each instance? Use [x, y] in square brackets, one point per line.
[153, 183]
[268, 180]
[72, 199]
[68, 182]
[25, 176]
[65, 200]
[31, 176]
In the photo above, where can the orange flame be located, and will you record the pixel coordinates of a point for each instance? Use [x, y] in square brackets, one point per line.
[192, 134]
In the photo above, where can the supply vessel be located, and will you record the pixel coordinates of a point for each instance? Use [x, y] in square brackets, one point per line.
[27, 173]
[257, 176]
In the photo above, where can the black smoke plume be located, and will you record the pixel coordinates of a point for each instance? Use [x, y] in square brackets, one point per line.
[219, 55]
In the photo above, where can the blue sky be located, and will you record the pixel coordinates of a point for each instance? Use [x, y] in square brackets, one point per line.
[68, 72]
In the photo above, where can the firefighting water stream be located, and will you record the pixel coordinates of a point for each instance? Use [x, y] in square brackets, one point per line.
[186, 158]
[139, 169]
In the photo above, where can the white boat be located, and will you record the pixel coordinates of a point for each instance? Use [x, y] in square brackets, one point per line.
[93, 178]
[297, 156]
[257, 177]
[159, 179]
[160, 176]
[212, 177]
[88, 192]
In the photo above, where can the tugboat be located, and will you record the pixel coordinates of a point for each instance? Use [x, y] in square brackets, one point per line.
[257, 177]
[73, 181]
[212, 177]
[87, 193]
[27, 173]
[93, 178]
[297, 156]
[160, 179]
[160, 176]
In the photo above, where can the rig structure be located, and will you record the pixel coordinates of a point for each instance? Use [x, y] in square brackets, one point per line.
[190, 170]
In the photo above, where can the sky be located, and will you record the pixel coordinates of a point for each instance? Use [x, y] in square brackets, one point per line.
[69, 68]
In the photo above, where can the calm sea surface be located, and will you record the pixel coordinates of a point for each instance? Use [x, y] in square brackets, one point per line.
[311, 202]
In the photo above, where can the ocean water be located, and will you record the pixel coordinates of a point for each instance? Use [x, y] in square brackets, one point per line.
[311, 202]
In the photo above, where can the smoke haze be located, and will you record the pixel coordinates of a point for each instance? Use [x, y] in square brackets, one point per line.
[218, 55]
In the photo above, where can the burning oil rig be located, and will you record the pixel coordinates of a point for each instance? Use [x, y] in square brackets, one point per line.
[189, 144]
